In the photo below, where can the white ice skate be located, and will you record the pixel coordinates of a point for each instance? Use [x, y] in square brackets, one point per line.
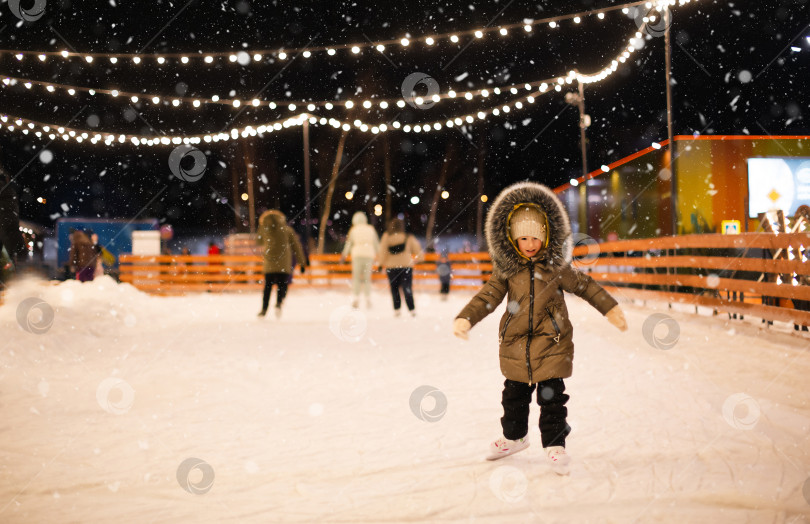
[503, 447]
[559, 459]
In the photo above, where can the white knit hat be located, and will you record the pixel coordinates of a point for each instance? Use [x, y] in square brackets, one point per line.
[527, 222]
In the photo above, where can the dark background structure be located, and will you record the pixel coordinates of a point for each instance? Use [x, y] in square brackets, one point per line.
[737, 67]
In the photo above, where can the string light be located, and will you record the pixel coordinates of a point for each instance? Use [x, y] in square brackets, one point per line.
[355, 48]
[79, 135]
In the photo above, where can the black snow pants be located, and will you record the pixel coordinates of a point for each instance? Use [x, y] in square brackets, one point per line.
[279, 279]
[551, 398]
[401, 277]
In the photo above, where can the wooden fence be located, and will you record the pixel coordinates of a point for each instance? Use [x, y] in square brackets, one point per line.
[758, 274]
[171, 274]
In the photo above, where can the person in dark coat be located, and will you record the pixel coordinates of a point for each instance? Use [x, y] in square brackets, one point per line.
[10, 236]
[278, 244]
[82, 256]
[530, 244]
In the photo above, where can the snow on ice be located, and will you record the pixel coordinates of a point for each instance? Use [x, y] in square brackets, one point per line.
[124, 407]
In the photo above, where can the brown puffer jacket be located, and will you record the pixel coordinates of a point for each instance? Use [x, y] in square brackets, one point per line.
[278, 243]
[535, 334]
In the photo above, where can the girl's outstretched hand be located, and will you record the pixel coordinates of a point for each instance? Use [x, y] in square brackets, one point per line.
[616, 317]
[461, 328]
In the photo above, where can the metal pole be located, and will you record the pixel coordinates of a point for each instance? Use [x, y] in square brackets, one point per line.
[479, 215]
[581, 105]
[249, 157]
[307, 214]
[671, 146]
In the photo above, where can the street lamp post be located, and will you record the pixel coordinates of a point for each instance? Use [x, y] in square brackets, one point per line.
[578, 99]
[307, 211]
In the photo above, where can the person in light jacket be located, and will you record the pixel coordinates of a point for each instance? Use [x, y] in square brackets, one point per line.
[398, 253]
[362, 244]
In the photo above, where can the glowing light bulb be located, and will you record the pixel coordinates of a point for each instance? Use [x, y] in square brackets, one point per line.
[355, 49]
[479, 34]
[404, 42]
[454, 39]
[208, 59]
[503, 31]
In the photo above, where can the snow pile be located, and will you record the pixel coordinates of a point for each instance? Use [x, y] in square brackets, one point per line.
[119, 406]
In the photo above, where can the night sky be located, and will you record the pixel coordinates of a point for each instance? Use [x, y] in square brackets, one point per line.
[738, 68]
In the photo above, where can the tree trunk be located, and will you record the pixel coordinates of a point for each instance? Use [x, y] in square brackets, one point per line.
[327, 206]
[237, 207]
[448, 158]
[387, 168]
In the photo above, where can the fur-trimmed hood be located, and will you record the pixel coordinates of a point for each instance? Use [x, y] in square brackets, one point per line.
[273, 218]
[503, 251]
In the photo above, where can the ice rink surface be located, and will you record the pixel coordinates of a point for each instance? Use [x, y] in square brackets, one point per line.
[117, 406]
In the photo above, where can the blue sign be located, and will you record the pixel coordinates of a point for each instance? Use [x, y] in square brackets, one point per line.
[113, 235]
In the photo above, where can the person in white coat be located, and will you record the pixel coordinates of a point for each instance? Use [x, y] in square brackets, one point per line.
[362, 243]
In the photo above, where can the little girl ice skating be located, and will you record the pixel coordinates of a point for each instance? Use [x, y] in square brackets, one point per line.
[530, 244]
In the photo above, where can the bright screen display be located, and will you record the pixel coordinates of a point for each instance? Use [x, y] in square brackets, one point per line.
[778, 183]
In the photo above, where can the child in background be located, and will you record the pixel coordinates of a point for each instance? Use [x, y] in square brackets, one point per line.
[445, 274]
[530, 244]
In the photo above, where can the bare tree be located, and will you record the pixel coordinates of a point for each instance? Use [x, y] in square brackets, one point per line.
[387, 168]
[327, 206]
[449, 153]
